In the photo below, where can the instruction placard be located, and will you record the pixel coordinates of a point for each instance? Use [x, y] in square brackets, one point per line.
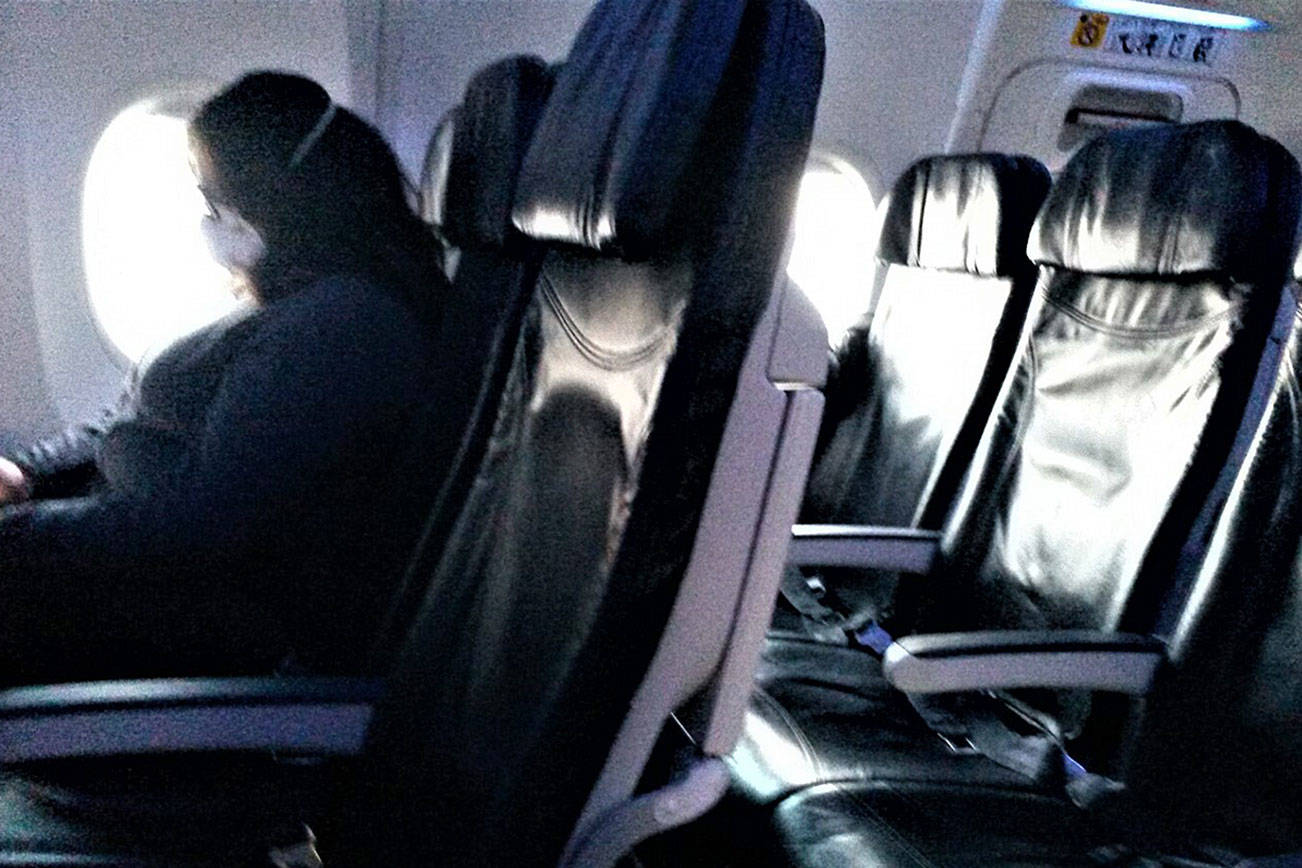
[1144, 38]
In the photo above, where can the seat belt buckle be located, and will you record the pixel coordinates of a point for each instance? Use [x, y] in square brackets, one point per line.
[958, 745]
[300, 854]
[872, 637]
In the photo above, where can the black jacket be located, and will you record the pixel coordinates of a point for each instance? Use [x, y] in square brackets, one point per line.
[255, 495]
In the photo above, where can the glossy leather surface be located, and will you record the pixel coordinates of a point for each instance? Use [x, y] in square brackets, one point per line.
[969, 213]
[1110, 434]
[551, 595]
[1236, 679]
[1103, 418]
[469, 179]
[1125, 399]
[930, 354]
[434, 171]
[824, 714]
[896, 404]
[897, 825]
[889, 824]
[1184, 199]
[619, 133]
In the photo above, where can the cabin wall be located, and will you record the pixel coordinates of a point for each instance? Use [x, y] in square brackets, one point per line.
[1251, 73]
[68, 68]
[891, 81]
[429, 50]
[892, 75]
[25, 407]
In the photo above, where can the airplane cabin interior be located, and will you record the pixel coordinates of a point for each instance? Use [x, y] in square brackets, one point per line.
[851, 434]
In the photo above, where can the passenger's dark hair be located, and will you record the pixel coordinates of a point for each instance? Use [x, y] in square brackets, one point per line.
[341, 208]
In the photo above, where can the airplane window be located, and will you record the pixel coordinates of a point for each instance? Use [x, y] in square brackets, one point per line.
[148, 272]
[832, 259]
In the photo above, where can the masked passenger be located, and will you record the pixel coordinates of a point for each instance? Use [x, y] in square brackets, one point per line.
[251, 502]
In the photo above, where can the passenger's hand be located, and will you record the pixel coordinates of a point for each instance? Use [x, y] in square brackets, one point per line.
[14, 487]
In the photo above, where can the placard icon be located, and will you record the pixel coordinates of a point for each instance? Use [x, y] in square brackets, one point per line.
[1090, 30]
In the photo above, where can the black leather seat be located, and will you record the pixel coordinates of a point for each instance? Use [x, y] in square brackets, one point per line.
[1213, 769]
[925, 364]
[1234, 695]
[546, 610]
[1091, 505]
[953, 288]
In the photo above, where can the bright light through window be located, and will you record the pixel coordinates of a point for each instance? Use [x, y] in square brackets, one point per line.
[832, 259]
[148, 271]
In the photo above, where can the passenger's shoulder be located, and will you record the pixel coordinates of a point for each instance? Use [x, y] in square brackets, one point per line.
[343, 297]
[210, 340]
[343, 312]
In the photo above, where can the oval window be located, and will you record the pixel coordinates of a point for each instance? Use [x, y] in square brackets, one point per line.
[148, 273]
[833, 254]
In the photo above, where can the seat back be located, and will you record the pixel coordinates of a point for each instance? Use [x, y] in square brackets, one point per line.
[1162, 266]
[931, 352]
[471, 166]
[467, 186]
[1220, 755]
[953, 268]
[661, 175]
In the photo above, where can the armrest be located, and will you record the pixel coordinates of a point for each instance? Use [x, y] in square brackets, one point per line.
[867, 546]
[114, 718]
[1085, 659]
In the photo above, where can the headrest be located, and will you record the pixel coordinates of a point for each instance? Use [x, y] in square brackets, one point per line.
[964, 212]
[474, 158]
[1211, 197]
[615, 143]
[434, 173]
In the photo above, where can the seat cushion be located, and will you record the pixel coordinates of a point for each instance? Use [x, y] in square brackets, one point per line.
[880, 823]
[822, 713]
[205, 810]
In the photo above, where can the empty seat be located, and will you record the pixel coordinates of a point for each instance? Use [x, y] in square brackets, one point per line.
[1235, 681]
[929, 354]
[926, 362]
[1210, 767]
[1137, 394]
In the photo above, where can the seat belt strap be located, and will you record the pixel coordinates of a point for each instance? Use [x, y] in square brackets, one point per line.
[807, 596]
[969, 723]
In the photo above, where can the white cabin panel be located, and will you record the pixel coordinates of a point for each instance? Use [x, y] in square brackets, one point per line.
[891, 80]
[1044, 109]
[430, 49]
[1030, 56]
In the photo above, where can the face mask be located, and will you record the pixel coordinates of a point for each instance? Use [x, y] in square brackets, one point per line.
[232, 241]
